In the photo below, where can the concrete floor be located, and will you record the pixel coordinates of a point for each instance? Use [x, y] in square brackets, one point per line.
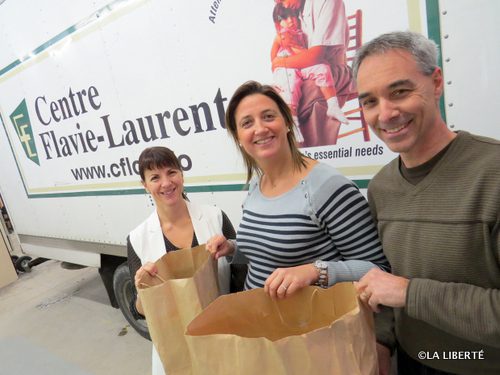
[59, 321]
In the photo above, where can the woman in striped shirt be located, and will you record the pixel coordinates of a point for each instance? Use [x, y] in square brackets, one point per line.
[303, 222]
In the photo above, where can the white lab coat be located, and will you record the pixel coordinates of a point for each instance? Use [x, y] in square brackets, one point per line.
[149, 245]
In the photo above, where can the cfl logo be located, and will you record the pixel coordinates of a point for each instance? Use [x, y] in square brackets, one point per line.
[21, 120]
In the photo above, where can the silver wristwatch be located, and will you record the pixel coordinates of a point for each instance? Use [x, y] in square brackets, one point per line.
[322, 268]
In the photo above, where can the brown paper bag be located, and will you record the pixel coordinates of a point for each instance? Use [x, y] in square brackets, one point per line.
[187, 283]
[315, 332]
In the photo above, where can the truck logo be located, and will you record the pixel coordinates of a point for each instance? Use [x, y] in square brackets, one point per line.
[21, 120]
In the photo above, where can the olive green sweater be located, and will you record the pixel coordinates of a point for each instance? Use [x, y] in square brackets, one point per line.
[444, 235]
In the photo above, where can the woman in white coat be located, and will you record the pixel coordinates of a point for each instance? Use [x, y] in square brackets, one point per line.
[175, 224]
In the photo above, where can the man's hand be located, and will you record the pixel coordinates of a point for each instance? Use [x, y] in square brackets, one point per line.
[278, 62]
[381, 288]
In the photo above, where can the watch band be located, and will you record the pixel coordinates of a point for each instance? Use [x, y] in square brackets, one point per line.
[322, 268]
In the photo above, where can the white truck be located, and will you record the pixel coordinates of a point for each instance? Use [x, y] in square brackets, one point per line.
[85, 86]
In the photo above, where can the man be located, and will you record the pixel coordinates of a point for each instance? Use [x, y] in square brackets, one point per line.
[437, 207]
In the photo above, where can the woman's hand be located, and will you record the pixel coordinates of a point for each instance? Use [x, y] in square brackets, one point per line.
[218, 246]
[286, 281]
[149, 269]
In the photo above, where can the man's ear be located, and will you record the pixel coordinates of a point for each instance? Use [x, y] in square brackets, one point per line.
[437, 79]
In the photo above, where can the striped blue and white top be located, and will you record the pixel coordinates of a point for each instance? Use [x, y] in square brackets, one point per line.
[323, 217]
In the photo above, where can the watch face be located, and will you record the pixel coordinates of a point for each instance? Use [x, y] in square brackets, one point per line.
[321, 264]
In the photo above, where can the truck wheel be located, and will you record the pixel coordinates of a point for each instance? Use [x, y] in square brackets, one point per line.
[23, 264]
[125, 291]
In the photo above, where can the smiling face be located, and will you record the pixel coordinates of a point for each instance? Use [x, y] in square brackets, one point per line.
[290, 22]
[261, 128]
[165, 184]
[400, 103]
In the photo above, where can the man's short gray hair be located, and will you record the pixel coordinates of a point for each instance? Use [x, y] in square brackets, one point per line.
[424, 50]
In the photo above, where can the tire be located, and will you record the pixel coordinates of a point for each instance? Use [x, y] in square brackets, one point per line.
[23, 264]
[125, 291]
